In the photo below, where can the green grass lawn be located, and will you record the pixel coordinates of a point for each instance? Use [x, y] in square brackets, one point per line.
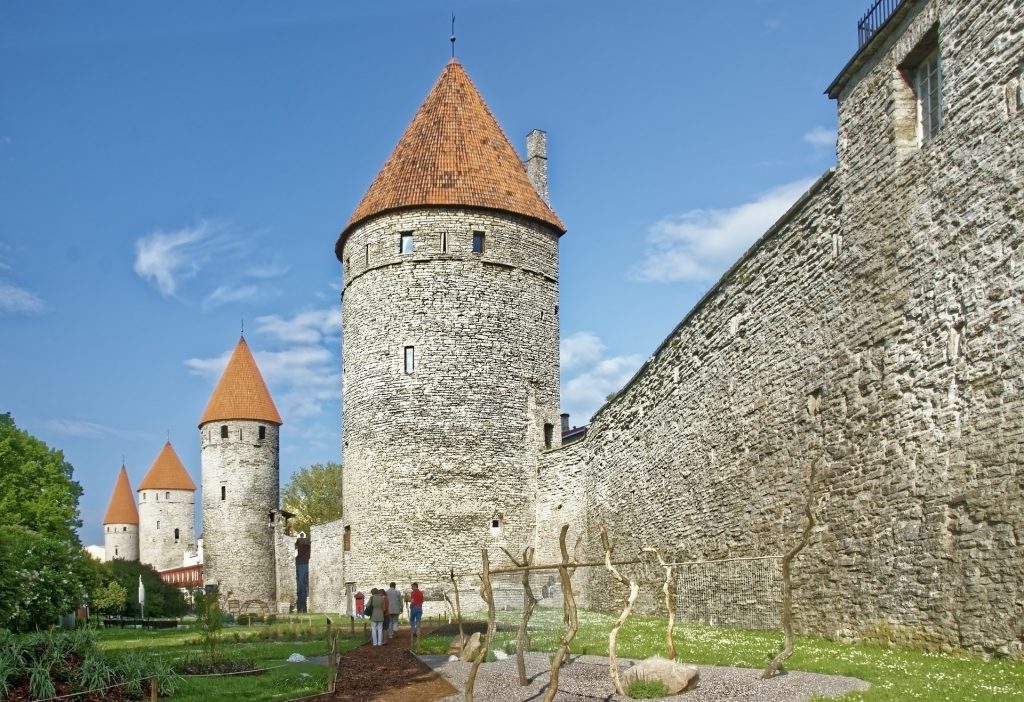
[267, 645]
[895, 674]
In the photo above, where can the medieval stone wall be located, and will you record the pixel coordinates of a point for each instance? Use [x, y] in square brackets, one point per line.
[162, 513]
[874, 334]
[240, 499]
[434, 457]
[326, 573]
[121, 541]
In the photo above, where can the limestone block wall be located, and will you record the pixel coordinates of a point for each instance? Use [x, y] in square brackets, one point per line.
[241, 475]
[121, 541]
[284, 559]
[326, 572]
[875, 334]
[167, 521]
[434, 457]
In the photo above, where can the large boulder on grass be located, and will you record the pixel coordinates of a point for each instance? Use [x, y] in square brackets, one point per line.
[471, 648]
[676, 677]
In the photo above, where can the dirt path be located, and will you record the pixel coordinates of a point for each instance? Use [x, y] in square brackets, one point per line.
[388, 673]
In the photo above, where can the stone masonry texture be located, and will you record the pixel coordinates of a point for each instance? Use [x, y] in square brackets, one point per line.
[161, 513]
[433, 458]
[240, 531]
[874, 334]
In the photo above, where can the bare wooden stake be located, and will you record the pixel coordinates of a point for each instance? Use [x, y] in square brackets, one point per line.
[458, 609]
[570, 615]
[529, 602]
[669, 588]
[634, 591]
[487, 594]
[787, 584]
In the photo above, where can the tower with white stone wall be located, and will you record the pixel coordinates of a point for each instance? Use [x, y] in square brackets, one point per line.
[450, 325]
[121, 522]
[167, 512]
[239, 434]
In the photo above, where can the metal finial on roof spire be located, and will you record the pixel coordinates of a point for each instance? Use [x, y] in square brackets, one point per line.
[243, 327]
[452, 38]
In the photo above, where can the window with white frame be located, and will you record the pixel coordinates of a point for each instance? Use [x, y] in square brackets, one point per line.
[410, 359]
[922, 69]
[405, 245]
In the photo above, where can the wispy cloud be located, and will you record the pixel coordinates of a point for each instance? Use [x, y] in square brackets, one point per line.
[169, 259]
[310, 327]
[821, 138]
[92, 430]
[700, 245]
[15, 299]
[596, 376]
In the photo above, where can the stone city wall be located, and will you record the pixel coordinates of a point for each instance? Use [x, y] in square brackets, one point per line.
[874, 335]
[160, 513]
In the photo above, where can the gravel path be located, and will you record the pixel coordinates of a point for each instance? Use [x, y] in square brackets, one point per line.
[586, 679]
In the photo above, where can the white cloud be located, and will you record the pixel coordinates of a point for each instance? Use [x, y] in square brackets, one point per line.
[598, 377]
[15, 299]
[821, 138]
[92, 430]
[165, 258]
[309, 327]
[700, 245]
[224, 294]
[579, 348]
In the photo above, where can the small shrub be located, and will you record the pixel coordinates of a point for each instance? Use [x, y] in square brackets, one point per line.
[39, 682]
[647, 690]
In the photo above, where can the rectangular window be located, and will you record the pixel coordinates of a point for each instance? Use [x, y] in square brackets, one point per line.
[223, 492]
[263, 432]
[367, 254]
[444, 242]
[223, 431]
[549, 435]
[478, 242]
[928, 89]
[406, 243]
[410, 359]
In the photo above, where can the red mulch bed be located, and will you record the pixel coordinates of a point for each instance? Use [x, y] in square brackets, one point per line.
[388, 673]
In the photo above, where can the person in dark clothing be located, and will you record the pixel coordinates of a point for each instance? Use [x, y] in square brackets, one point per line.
[301, 571]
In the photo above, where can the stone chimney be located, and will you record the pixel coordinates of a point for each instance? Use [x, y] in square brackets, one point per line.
[565, 422]
[537, 163]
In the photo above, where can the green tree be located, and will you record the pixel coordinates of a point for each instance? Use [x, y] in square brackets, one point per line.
[162, 600]
[111, 598]
[36, 489]
[41, 578]
[313, 494]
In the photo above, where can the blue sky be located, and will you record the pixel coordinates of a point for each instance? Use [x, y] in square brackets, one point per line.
[170, 169]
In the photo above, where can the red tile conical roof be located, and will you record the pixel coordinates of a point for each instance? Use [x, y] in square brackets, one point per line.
[122, 509]
[241, 392]
[167, 473]
[453, 153]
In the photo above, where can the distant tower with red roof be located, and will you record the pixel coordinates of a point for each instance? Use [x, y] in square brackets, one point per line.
[241, 472]
[450, 326]
[121, 522]
[167, 512]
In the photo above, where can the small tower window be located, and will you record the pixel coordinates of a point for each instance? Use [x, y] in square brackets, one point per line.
[157, 523]
[478, 242]
[143, 497]
[346, 539]
[410, 359]
[496, 525]
[444, 242]
[367, 254]
[157, 496]
[223, 431]
[405, 245]
[167, 495]
[177, 535]
[549, 434]
[124, 528]
[263, 432]
[223, 492]
[116, 552]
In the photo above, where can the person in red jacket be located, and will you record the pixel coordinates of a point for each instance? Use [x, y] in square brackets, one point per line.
[415, 609]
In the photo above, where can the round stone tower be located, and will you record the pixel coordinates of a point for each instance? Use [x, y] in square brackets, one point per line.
[167, 512]
[121, 522]
[241, 472]
[450, 326]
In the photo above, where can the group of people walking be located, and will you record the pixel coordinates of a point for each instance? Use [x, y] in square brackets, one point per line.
[385, 606]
